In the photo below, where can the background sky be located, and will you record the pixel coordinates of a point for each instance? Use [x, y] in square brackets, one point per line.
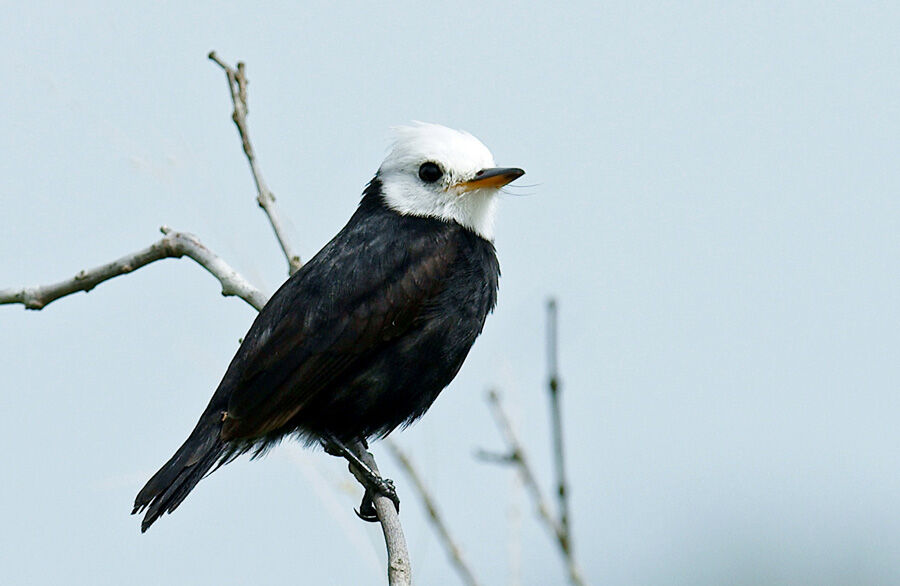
[714, 201]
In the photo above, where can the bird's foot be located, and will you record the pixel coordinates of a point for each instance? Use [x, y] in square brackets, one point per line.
[372, 481]
[385, 486]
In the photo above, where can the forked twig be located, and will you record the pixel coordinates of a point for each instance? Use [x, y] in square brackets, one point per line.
[237, 85]
[172, 245]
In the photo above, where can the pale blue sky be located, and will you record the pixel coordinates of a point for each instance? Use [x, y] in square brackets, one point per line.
[715, 204]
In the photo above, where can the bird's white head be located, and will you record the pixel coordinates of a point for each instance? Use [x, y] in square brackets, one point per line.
[438, 172]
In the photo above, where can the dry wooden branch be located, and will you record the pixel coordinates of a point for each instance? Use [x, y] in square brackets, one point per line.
[399, 570]
[237, 86]
[453, 550]
[172, 245]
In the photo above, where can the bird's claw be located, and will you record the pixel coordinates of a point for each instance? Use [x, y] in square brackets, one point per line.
[385, 486]
[370, 479]
[366, 510]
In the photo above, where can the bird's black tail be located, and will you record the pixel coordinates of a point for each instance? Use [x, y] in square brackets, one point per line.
[178, 477]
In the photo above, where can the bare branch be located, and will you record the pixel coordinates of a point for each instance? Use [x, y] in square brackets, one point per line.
[237, 85]
[465, 572]
[554, 387]
[172, 245]
[543, 509]
[399, 571]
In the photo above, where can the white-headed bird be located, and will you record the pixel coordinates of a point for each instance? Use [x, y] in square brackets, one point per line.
[366, 334]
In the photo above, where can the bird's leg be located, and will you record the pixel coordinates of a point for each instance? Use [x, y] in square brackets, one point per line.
[372, 481]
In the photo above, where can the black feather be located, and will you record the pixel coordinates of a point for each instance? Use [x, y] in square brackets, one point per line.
[172, 483]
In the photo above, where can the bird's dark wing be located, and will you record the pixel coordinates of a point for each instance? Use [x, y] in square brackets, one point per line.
[355, 296]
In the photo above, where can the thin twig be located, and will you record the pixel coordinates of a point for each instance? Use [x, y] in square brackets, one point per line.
[399, 571]
[455, 553]
[237, 85]
[554, 386]
[518, 456]
[172, 245]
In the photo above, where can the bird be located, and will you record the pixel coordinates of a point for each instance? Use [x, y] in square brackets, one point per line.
[364, 336]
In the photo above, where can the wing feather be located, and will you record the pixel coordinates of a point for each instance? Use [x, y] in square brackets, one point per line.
[336, 310]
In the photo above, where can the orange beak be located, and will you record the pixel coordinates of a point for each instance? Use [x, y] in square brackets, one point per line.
[491, 178]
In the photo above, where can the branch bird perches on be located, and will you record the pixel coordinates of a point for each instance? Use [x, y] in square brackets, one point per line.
[178, 244]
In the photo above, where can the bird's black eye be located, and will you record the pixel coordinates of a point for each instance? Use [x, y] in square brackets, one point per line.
[429, 172]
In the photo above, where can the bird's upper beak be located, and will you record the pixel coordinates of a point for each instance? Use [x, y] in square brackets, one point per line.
[495, 177]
